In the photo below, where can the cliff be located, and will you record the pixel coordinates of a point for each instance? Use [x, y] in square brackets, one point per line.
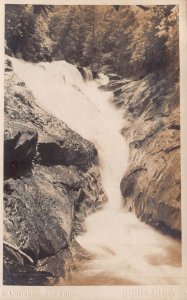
[151, 186]
[51, 182]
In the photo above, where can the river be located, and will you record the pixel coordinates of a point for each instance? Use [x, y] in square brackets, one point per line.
[125, 250]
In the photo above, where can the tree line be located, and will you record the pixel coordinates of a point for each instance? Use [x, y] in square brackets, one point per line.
[128, 40]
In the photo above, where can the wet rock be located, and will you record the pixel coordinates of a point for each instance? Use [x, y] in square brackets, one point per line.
[32, 211]
[67, 152]
[16, 272]
[19, 148]
[95, 74]
[151, 185]
[113, 76]
[58, 265]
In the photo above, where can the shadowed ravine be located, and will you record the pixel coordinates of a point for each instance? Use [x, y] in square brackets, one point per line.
[125, 250]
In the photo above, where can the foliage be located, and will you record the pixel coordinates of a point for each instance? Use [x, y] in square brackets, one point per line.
[26, 32]
[19, 27]
[156, 40]
[128, 40]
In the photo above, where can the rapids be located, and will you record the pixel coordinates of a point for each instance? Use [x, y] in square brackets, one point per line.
[125, 250]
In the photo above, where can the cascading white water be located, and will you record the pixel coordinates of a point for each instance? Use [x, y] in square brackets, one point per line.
[88, 74]
[125, 250]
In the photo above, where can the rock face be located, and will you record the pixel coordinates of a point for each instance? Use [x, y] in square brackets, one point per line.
[51, 184]
[19, 148]
[151, 186]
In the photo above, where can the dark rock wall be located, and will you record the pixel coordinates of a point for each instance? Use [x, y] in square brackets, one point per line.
[151, 186]
[51, 184]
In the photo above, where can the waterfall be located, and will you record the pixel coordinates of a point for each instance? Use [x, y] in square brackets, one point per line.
[125, 250]
[88, 74]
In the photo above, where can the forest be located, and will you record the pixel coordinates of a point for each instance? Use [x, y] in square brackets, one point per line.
[128, 40]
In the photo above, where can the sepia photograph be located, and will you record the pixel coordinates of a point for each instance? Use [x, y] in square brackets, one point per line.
[92, 145]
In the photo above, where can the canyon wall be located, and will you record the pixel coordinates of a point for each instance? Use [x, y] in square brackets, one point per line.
[152, 186]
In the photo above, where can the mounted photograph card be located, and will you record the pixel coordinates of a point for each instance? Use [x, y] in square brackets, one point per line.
[93, 165]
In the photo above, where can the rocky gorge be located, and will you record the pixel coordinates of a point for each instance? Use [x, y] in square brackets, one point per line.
[53, 182]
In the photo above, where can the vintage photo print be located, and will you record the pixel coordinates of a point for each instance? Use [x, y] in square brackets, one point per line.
[93, 165]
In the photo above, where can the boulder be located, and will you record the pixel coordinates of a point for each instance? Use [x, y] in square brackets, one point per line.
[113, 76]
[67, 152]
[19, 148]
[31, 209]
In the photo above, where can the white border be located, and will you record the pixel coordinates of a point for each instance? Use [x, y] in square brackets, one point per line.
[111, 292]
